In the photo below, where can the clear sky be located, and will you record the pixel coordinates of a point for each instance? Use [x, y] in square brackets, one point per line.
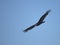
[17, 15]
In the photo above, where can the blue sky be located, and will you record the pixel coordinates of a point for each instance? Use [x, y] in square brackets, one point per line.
[16, 15]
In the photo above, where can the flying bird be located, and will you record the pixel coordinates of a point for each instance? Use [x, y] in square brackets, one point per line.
[41, 20]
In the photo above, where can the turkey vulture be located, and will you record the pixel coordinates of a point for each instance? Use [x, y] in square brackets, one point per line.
[39, 22]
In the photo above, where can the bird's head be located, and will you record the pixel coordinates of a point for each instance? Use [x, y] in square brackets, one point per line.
[42, 22]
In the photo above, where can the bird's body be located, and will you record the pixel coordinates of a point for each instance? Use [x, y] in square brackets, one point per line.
[41, 20]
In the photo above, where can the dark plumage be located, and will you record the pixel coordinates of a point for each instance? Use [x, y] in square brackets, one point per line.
[39, 22]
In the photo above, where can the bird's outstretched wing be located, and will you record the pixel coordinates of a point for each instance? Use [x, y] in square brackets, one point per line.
[43, 17]
[29, 28]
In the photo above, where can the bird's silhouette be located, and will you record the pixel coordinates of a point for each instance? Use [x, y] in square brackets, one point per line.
[39, 22]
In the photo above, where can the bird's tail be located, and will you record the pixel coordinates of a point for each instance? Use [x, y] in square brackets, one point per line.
[29, 28]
